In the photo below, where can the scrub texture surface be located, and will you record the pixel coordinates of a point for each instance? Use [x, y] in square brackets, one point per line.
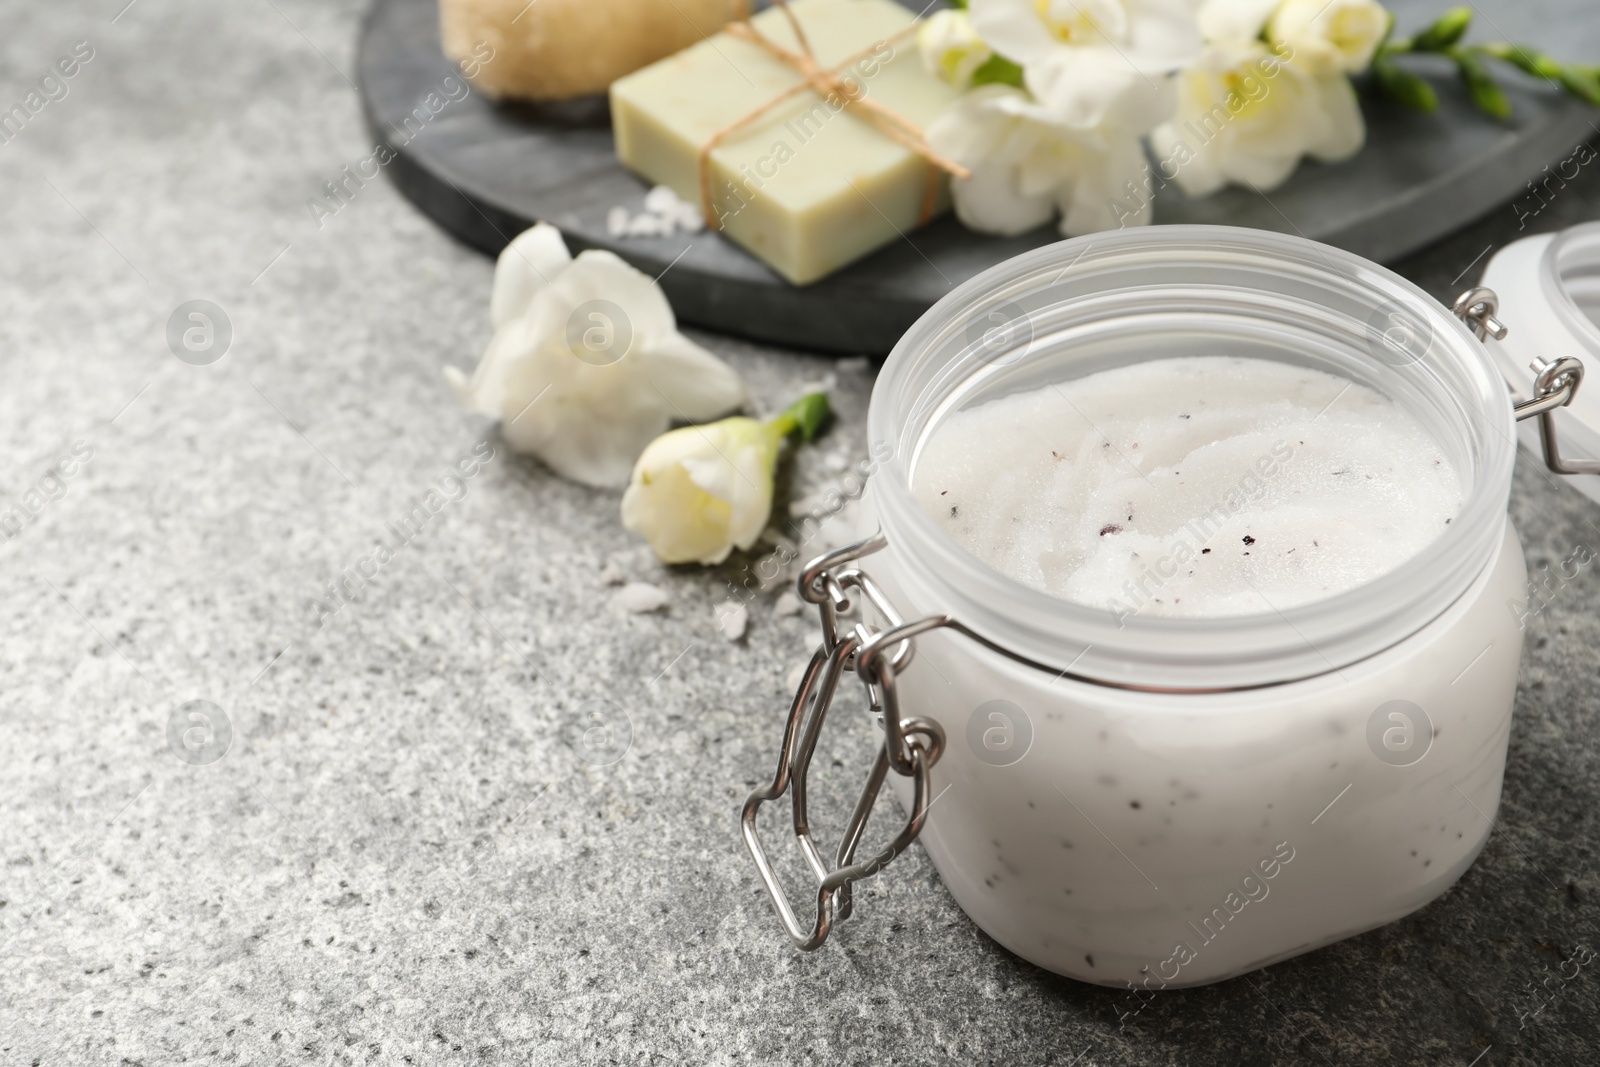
[1204, 486]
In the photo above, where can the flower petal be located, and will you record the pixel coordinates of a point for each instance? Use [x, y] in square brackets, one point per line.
[1086, 88]
[1234, 20]
[990, 202]
[534, 259]
[1347, 130]
[598, 276]
[587, 439]
[695, 384]
[1012, 28]
[1099, 200]
[1164, 35]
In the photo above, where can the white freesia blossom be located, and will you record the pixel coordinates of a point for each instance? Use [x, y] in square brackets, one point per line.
[1247, 116]
[951, 49]
[1091, 61]
[586, 365]
[1027, 164]
[698, 492]
[1331, 35]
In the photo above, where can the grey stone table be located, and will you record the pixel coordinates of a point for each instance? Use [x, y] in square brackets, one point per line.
[398, 858]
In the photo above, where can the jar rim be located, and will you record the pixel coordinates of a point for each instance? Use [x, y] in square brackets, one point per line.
[1576, 240]
[937, 357]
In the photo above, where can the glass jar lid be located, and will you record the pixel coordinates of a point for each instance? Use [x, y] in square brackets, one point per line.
[1549, 289]
[1106, 300]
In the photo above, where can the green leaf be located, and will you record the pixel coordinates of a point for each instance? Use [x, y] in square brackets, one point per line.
[997, 70]
[1403, 87]
[1445, 32]
[806, 415]
[959, 5]
[1481, 86]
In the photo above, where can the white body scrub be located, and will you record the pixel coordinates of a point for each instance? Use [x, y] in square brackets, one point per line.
[1202, 486]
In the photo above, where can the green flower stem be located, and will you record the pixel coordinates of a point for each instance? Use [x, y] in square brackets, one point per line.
[1443, 38]
[805, 415]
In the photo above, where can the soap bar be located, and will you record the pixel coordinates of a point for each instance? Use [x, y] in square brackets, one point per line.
[811, 185]
[558, 49]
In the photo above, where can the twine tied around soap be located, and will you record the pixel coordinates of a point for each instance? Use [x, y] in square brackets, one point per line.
[826, 82]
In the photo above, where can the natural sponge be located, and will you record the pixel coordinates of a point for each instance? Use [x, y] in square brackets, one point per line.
[557, 49]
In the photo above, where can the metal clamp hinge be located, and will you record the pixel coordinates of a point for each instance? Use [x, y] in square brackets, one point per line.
[1555, 383]
[911, 746]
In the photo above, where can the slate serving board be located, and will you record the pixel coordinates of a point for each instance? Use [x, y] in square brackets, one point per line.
[486, 171]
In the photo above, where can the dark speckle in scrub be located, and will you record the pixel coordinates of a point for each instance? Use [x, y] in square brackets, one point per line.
[955, 509]
[1205, 551]
[1110, 528]
[944, 492]
[1134, 804]
[1249, 540]
[1087, 958]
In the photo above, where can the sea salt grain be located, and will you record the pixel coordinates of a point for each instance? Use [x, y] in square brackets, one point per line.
[732, 619]
[787, 606]
[642, 597]
[1202, 486]
[664, 215]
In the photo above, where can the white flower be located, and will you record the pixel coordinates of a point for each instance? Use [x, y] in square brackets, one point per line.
[1235, 21]
[951, 49]
[1027, 164]
[586, 365]
[1331, 35]
[1093, 62]
[1246, 116]
[700, 491]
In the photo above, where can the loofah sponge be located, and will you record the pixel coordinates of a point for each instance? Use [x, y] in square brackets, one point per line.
[558, 49]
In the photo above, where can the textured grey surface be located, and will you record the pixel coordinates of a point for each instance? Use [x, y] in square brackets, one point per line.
[400, 860]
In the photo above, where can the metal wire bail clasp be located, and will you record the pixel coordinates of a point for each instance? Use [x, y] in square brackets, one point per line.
[911, 746]
[1554, 386]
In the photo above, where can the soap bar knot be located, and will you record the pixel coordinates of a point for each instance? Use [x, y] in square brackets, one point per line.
[826, 82]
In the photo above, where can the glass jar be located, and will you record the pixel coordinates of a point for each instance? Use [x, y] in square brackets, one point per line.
[1164, 801]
